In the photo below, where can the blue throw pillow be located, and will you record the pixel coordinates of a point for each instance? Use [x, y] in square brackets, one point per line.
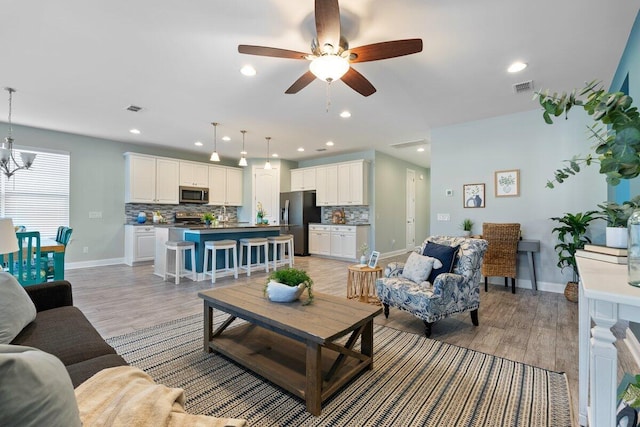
[446, 255]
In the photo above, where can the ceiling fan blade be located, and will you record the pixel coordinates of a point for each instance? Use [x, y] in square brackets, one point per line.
[385, 50]
[328, 23]
[301, 83]
[271, 51]
[358, 82]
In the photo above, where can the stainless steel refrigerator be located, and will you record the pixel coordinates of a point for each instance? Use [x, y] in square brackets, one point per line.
[297, 210]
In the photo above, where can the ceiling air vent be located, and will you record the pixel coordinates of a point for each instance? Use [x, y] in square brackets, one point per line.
[134, 108]
[321, 149]
[523, 86]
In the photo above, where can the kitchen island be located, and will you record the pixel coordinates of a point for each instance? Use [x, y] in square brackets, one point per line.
[200, 234]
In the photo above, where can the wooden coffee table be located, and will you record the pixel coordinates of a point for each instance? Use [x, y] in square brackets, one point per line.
[295, 346]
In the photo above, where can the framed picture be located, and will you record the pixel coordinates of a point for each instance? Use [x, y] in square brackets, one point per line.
[473, 195]
[507, 183]
[373, 259]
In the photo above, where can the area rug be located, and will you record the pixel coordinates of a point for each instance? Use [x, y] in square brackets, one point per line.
[415, 382]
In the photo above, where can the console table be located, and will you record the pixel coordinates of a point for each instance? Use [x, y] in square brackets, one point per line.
[605, 297]
[530, 246]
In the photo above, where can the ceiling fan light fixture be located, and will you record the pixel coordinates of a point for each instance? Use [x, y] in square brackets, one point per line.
[329, 67]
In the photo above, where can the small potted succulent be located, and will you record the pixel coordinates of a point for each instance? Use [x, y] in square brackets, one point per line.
[287, 284]
[467, 226]
[208, 218]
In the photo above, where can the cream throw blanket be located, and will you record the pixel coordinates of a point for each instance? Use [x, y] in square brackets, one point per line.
[126, 396]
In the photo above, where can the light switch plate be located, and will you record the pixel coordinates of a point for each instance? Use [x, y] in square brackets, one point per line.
[444, 217]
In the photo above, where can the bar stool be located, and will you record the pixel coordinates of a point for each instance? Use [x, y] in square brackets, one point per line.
[282, 242]
[220, 245]
[180, 247]
[255, 242]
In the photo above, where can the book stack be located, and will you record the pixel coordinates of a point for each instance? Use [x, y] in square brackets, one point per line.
[603, 253]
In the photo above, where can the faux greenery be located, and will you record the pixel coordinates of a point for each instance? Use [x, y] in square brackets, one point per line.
[364, 249]
[571, 237]
[208, 216]
[292, 277]
[617, 215]
[616, 133]
[466, 224]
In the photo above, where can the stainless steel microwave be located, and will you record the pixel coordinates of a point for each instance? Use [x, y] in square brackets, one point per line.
[194, 195]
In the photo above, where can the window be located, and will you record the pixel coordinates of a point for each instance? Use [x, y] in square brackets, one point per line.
[38, 198]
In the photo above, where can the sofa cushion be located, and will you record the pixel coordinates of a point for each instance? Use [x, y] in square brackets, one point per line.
[446, 255]
[66, 333]
[16, 308]
[35, 389]
[418, 267]
[82, 371]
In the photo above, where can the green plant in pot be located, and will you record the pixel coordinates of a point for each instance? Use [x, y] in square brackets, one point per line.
[208, 218]
[571, 237]
[466, 225]
[295, 279]
[617, 216]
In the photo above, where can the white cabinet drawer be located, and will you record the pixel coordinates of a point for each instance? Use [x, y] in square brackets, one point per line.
[318, 227]
[343, 229]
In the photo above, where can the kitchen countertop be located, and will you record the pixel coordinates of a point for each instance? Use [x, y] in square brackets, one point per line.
[223, 228]
[330, 223]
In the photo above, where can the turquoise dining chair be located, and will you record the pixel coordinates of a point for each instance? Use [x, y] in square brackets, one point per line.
[26, 264]
[63, 236]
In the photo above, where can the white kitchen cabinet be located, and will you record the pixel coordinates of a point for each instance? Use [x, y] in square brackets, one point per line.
[225, 186]
[353, 183]
[343, 241]
[139, 244]
[303, 179]
[327, 185]
[319, 239]
[150, 179]
[194, 174]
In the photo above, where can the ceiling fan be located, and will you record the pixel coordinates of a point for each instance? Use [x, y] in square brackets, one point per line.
[331, 57]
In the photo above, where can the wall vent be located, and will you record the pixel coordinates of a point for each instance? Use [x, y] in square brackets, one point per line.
[523, 86]
[134, 108]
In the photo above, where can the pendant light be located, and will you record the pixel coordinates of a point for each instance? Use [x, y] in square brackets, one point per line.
[267, 164]
[214, 155]
[243, 159]
[8, 164]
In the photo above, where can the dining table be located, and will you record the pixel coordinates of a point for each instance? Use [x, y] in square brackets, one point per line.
[57, 249]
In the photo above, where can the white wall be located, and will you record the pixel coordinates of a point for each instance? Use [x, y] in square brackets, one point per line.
[470, 153]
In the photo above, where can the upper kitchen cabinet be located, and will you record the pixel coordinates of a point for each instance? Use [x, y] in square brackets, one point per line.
[151, 179]
[353, 183]
[225, 186]
[303, 179]
[327, 185]
[194, 174]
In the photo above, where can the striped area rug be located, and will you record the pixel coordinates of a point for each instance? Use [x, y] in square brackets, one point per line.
[415, 382]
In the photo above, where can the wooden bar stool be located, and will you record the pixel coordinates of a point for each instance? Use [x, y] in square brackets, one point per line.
[282, 243]
[180, 247]
[249, 244]
[220, 245]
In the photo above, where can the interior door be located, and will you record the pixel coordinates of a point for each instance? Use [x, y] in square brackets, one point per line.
[266, 190]
[411, 209]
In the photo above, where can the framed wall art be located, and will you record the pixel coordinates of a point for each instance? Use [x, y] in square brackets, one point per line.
[507, 183]
[473, 195]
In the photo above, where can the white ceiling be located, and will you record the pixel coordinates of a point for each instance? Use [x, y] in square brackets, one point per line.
[77, 65]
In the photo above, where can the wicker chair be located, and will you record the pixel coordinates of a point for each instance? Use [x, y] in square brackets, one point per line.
[502, 255]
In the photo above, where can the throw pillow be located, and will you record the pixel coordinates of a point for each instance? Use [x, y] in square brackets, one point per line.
[36, 389]
[446, 255]
[418, 267]
[16, 308]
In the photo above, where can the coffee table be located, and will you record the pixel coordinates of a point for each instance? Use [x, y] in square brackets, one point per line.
[295, 346]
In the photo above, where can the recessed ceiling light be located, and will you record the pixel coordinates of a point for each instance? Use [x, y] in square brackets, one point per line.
[329, 143]
[226, 138]
[248, 70]
[274, 155]
[301, 149]
[135, 131]
[516, 66]
[243, 152]
[420, 150]
[345, 114]
[198, 143]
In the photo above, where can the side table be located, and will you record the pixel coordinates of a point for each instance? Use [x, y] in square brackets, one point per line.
[361, 283]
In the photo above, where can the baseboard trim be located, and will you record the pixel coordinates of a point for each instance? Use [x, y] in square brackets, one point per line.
[394, 253]
[633, 345]
[557, 288]
[93, 263]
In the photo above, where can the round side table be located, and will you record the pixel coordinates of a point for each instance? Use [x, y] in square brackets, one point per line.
[361, 283]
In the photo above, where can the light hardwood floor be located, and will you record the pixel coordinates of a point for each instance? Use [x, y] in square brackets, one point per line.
[540, 330]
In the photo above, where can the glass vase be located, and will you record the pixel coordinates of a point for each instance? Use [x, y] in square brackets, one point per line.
[633, 260]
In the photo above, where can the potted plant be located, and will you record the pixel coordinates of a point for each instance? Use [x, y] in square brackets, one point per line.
[617, 216]
[466, 226]
[208, 217]
[287, 284]
[572, 236]
[364, 249]
[616, 132]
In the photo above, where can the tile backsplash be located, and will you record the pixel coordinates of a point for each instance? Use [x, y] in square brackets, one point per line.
[168, 211]
[352, 214]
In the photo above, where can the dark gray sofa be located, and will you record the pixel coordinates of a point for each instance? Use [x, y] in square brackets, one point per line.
[63, 330]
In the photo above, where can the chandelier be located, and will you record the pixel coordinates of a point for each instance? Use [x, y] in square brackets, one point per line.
[8, 162]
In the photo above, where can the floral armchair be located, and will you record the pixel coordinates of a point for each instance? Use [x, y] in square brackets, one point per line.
[449, 294]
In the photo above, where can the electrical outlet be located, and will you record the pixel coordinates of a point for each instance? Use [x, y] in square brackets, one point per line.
[444, 217]
[85, 250]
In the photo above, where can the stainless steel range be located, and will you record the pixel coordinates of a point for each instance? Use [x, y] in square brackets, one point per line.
[188, 218]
